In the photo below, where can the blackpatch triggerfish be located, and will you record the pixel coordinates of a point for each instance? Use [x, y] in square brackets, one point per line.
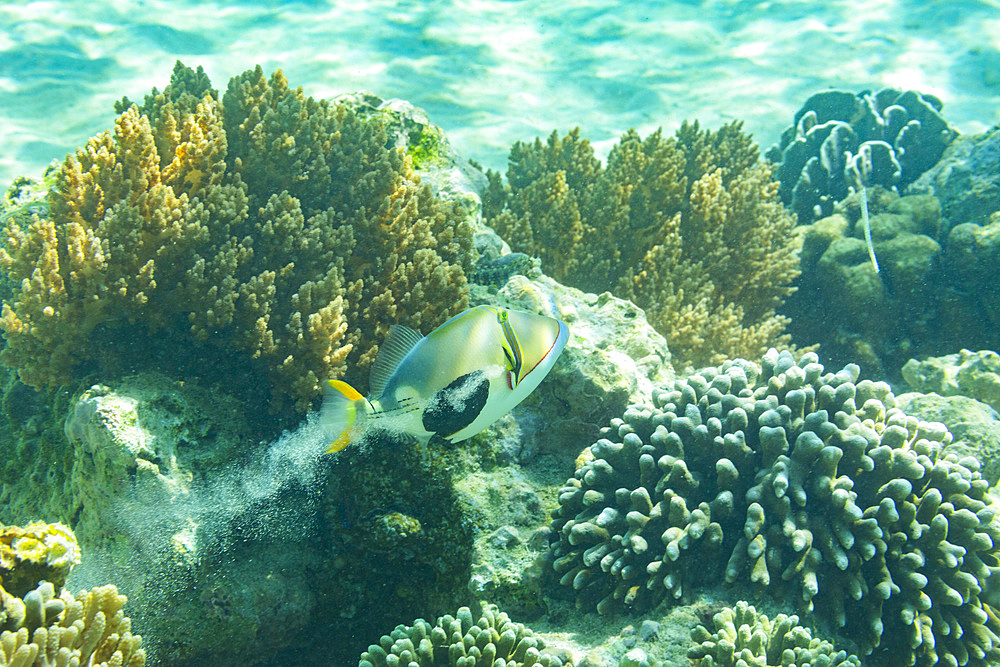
[453, 382]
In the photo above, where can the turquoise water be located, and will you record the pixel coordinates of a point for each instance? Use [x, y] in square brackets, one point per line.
[491, 72]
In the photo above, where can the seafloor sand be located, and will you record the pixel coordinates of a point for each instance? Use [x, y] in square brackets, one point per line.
[491, 72]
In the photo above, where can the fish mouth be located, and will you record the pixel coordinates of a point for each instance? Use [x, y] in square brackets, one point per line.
[557, 344]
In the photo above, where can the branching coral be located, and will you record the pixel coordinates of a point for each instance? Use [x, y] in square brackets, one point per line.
[492, 639]
[690, 228]
[48, 630]
[743, 638]
[810, 484]
[265, 222]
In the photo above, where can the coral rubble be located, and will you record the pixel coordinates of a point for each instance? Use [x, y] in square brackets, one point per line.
[657, 225]
[808, 483]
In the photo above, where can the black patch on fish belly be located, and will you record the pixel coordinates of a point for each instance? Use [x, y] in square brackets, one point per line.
[456, 406]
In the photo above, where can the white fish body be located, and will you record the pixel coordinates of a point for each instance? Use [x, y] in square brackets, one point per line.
[454, 382]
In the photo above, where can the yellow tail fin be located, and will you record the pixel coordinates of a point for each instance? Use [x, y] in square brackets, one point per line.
[343, 413]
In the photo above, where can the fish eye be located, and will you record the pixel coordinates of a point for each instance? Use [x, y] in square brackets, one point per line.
[502, 315]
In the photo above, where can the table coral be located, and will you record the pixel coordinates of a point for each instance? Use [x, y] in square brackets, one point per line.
[47, 630]
[265, 222]
[839, 141]
[807, 483]
[462, 640]
[38, 551]
[744, 638]
[657, 225]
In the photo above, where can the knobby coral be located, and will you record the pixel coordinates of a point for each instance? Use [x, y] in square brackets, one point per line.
[48, 630]
[35, 552]
[809, 484]
[264, 222]
[690, 228]
[463, 641]
[743, 638]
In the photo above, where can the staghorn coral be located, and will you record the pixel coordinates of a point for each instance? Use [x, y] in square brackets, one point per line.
[48, 630]
[809, 484]
[839, 141]
[462, 641]
[666, 215]
[266, 223]
[35, 552]
[744, 638]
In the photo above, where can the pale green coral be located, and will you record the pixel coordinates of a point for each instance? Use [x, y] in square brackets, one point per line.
[809, 484]
[744, 638]
[463, 640]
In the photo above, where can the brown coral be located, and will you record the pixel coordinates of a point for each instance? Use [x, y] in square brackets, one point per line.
[266, 223]
[688, 227]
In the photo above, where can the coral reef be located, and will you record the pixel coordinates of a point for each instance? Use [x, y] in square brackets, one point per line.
[463, 640]
[657, 225]
[811, 484]
[966, 373]
[966, 179]
[744, 638]
[938, 289]
[263, 226]
[35, 552]
[839, 141]
[88, 629]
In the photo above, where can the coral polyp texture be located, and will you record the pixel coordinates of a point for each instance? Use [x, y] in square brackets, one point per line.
[744, 638]
[657, 225]
[35, 552]
[839, 141]
[461, 641]
[265, 225]
[66, 631]
[808, 484]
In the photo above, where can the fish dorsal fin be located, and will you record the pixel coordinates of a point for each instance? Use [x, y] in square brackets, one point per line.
[390, 353]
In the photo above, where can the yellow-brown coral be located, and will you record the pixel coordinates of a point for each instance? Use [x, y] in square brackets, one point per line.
[36, 552]
[48, 630]
[690, 228]
[265, 223]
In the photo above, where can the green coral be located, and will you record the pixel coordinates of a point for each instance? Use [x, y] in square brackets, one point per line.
[744, 638]
[268, 227]
[38, 551]
[809, 484]
[937, 289]
[657, 225]
[492, 640]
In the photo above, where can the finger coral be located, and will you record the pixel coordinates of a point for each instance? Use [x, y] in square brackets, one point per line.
[264, 223]
[492, 639]
[689, 227]
[35, 552]
[806, 483]
[744, 638]
[48, 630]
